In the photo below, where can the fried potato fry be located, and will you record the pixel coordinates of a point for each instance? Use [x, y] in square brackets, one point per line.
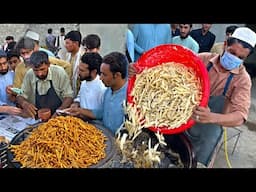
[62, 142]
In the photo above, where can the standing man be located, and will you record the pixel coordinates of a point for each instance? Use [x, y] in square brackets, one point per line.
[147, 36]
[13, 59]
[92, 89]
[230, 94]
[44, 86]
[36, 37]
[6, 79]
[72, 43]
[219, 47]
[91, 43]
[50, 41]
[185, 39]
[8, 40]
[60, 45]
[204, 37]
[25, 47]
[113, 74]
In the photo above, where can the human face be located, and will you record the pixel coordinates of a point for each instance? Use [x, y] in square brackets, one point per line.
[206, 27]
[25, 54]
[238, 50]
[70, 45]
[184, 30]
[42, 71]
[107, 77]
[84, 72]
[94, 50]
[3, 65]
[13, 62]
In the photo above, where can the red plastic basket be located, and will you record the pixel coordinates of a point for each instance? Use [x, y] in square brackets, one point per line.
[176, 53]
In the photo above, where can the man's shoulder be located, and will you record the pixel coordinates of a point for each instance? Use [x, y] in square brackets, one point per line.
[56, 68]
[207, 56]
[56, 61]
[19, 67]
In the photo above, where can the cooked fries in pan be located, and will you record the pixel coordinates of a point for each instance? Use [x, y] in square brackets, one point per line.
[62, 142]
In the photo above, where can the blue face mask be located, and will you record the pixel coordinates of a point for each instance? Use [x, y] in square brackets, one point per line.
[229, 61]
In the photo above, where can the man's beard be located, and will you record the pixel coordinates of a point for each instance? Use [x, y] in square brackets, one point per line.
[42, 77]
[88, 78]
[184, 37]
[3, 72]
[27, 61]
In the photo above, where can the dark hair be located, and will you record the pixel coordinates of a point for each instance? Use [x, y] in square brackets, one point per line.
[62, 30]
[9, 38]
[190, 25]
[91, 41]
[25, 43]
[93, 60]
[230, 29]
[39, 58]
[118, 63]
[12, 53]
[74, 36]
[232, 40]
[50, 30]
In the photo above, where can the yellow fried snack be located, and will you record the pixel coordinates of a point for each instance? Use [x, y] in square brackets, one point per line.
[164, 96]
[62, 142]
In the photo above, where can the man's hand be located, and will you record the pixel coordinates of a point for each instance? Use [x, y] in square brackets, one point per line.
[12, 110]
[73, 111]
[29, 109]
[131, 70]
[202, 114]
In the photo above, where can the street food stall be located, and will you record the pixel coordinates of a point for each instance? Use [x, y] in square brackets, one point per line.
[171, 80]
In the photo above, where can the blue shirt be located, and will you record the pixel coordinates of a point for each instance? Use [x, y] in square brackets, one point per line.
[188, 42]
[112, 111]
[5, 80]
[49, 53]
[130, 44]
[147, 36]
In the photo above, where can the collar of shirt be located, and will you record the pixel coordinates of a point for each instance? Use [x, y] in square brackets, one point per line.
[121, 89]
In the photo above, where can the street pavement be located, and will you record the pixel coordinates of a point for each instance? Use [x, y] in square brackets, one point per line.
[244, 154]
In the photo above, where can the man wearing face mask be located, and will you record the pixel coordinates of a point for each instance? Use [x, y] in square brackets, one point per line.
[230, 94]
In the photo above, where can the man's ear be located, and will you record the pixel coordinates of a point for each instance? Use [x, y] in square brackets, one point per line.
[117, 74]
[225, 44]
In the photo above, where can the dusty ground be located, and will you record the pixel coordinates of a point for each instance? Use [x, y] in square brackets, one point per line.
[244, 155]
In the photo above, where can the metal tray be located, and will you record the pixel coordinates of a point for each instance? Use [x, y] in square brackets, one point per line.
[110, 150]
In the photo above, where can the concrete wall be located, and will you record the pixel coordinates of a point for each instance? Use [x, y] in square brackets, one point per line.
[112, 36]
[18, 30]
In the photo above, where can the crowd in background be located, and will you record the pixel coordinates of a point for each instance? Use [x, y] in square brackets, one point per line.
[70, 74]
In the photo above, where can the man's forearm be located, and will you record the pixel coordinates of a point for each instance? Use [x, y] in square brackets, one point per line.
[228, 120]
[67, 101]
[87, 113]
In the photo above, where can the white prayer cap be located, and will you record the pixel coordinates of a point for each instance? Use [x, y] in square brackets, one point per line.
[32, 35]
[245, 34]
